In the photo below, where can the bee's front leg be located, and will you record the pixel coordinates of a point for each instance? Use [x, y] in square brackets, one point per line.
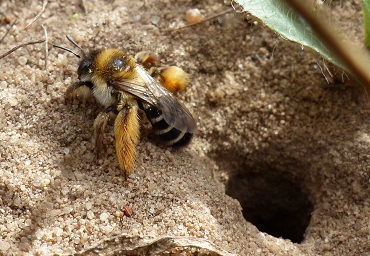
[79, 89]
[127, 133]
[100, 124]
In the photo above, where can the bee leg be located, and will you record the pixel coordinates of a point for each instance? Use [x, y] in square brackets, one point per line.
[127, 133]
[82, 88]
[173, 78]
[99, 127]
[154, 72]
[146, 59]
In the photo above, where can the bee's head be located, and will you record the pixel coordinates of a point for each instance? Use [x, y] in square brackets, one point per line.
[87, 65]
[104, 64]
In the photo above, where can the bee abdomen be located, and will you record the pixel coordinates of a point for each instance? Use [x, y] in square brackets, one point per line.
[169, 134]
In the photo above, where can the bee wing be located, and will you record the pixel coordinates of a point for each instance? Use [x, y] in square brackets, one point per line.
[135, 89]
[152, 92]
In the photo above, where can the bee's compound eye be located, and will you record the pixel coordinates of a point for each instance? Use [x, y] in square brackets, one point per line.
[118, 63]
[88, 65]
[84, 67]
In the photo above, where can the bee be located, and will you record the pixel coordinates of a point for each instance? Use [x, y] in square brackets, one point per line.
[123, 84]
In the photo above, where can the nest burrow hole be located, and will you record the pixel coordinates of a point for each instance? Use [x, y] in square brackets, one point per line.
[273, 203]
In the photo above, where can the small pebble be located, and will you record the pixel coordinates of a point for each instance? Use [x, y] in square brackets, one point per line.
[90, 214]
[193, 16]
[22, 60]
[104, 216]
[4, 246]
[45, 182]
[118, 214]
[154, 20]
[3, 85]
[88, 205]
[13, 101]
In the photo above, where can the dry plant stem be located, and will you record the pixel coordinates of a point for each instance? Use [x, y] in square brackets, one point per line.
[44, 3]
[46, 46]
[133, 245]
[7, 32]
[20, 46]
[83, 6]
[355, 59]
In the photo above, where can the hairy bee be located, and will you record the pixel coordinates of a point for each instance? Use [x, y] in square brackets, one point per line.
[122, 84]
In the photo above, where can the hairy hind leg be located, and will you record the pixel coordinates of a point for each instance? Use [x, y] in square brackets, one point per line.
[127, 133]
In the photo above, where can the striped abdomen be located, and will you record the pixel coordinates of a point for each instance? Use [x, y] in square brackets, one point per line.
[167, 133]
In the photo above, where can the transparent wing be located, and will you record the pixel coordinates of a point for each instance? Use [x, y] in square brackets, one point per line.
[135, 89]
[152, 92]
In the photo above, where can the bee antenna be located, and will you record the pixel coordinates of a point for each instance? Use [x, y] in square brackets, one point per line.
[68, 50]
[77, 45]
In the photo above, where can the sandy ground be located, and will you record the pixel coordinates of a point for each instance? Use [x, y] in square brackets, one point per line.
[271, 133]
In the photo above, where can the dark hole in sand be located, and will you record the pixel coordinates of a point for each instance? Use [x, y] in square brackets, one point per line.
[274, 204]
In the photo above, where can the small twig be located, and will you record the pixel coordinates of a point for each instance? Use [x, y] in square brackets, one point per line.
[7, 32]
[46, 46]
[232, 5]
[44, 3]
[19, 46]
[83, 6]
[202, 21]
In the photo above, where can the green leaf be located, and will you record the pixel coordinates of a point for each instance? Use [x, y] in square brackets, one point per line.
[314, 31]
[366, 15]
[281, 18]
